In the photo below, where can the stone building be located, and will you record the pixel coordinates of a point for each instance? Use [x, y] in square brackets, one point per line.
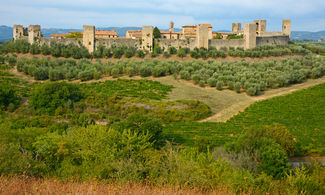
[134, 34]
[18, 32]
[105, 34]
[34, 34]
[189, 31]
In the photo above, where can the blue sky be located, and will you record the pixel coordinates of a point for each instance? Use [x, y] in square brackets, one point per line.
[306, 15]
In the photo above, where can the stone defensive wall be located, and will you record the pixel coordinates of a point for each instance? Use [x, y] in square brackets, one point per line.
[219, 43]
[177, 43]
[254, 34]
[108, 43]
[272, 40]
[65, 41]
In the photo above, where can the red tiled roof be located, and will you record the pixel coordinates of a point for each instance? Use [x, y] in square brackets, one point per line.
[59, 35]
[106, 32]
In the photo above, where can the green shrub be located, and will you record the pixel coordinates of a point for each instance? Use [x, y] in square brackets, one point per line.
[212, 82]
[203, 53]
[118, 52]
[143, 124]
[107, 53]
[145, 71]
[202, 83]
[172, 50]
[34, 49]
[140, 54]
[41, 73]
[8, 96]
[115, 72]
[237, 87]
[185, 75]
[166, 54]
[251, 91]
[45, 50]
[181, 53]
[196, 78]
[274, 160]
[49, 96]
[220, 85]
[12, 60]
[194, 54]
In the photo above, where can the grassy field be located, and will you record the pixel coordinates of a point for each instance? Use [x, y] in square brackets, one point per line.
[302, 112]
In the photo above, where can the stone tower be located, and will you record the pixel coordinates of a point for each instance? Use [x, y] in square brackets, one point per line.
[236, 27]
[171, 26]
[18, 32]
[202, 36]
[147, 38]
[286, 27]
[34, 34]
[88, 38]
[250, 35]
[260, 27]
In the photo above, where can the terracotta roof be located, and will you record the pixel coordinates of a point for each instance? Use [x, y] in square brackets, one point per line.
[168, 32]
[207, 25]
[135, 33]
[106, 32]
[59, 35]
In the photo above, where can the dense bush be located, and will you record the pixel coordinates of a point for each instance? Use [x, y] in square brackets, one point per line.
[52, 95]
[267, 147]
[9, 98]
[142, 124]
[55, 70]
[172, 50]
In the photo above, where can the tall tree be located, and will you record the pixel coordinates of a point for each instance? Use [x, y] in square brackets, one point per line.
[156, 33]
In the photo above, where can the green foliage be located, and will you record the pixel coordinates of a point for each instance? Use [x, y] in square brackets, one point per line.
[45, 50]
[172, 50]
[35, 49]
[166, 54]
[118, 52]
[142, 124]
[194, 54]
[9, 98]
[156, 33]
[140, 54]
[74, 35]
[218, 36]
[52, 95]
[274, 160]
[181, 53]
[235, 37]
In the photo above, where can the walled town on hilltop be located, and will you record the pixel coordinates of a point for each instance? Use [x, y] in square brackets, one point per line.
[191, 36]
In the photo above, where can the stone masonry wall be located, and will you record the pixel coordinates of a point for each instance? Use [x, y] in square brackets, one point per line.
[177, 43]
[272, 40]
[66, 41]
[119, 42]
[218, 43]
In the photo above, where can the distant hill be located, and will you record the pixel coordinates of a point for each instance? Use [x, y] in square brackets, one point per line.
[301, 35]
[6, 32]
